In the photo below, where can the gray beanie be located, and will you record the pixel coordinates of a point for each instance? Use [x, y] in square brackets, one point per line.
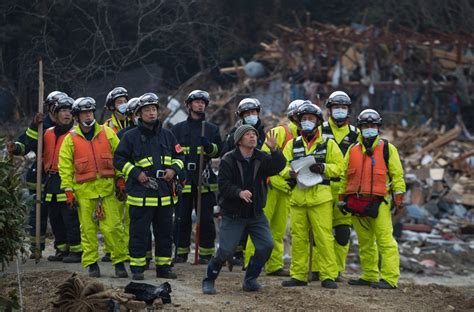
[241, 131]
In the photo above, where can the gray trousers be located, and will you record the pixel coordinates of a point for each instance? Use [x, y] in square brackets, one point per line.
[231, 230]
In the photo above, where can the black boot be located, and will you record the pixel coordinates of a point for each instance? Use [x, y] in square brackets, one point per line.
[182, 258]
[204, 259]
[293, 282]
[120, 270]
[73, 257]
[58, 256]
[106, 258]
[138, 273]
[94, 270]
[251, 274]
[213, 269]
[164, 271]
[328, 283]
[382, 284]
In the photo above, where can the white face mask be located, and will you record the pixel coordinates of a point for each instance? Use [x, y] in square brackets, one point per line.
[307, 125]
[251, 120]
[370, 132]
[122, 109]
[339, 113]
[88, 123]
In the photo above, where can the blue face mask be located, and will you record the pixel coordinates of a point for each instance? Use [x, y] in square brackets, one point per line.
[122, 109]
[339, 113]
[307, 125]
[251, 120]
[370, 132]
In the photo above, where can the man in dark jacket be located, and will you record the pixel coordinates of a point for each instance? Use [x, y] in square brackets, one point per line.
[242, 196]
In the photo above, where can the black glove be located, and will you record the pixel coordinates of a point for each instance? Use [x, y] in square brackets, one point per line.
[317, 168]
[206, 145]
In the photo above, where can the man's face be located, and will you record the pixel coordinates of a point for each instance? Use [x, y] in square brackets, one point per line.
[86, 116]
[249, 113]
[369, 125]
[64, 117]
[119, 101]
[149, 113]
[198, 105]
[249, 139]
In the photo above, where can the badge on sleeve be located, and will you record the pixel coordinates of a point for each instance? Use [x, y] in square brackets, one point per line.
[178, 148]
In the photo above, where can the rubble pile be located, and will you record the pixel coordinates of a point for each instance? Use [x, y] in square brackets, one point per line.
[438, 229]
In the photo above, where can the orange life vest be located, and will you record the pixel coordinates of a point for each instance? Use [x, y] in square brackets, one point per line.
[92, 157]
[52, 145]
[288, 137]
[367, 175]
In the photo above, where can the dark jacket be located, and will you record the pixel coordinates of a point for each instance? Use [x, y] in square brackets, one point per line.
[229, 140]
[188, 134]
[142, 149]
[231, 180]
[122, 131]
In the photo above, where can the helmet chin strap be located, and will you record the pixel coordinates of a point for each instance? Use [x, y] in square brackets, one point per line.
[88, 124]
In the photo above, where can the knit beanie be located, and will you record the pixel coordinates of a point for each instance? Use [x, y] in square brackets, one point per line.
[241, 131]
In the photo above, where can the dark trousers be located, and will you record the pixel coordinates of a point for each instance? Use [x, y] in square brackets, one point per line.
[183, 222]
[230, 233]
[64, 223]
[32, 222]
[161, 218]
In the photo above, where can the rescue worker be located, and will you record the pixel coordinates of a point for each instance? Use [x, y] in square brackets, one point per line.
[277, 206]
[248, 112]
[20, 147]
[130, 113]
[344, 134]
[311, 208]
[373, 172]
[150, 157]
[242, 195]
[188, 133]
[116, 102]
[89, 180]
[64, 221]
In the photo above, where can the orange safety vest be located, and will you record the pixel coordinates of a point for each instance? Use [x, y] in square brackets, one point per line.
[367, 175]
[52, 145]
[288, 137]
[92, 157]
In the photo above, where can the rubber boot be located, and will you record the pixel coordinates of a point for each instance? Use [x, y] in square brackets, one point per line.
[94, 270]
[213, 269]
[329, 283]
[164, 271]
[359, 282]
[58, 256]
[382, 284]
[120, 270]
[73, 257]
[293, 282]
[251, 274]
[182, 258]
[138, 273]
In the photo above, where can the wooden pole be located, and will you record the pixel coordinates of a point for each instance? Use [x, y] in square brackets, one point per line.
[39, 163]
[199, 197]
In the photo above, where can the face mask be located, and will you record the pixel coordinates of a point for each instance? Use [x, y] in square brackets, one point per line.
[88, 123]
[307, 125]
[122, 109]
[370, 132]
[251, 120]
[339, 113]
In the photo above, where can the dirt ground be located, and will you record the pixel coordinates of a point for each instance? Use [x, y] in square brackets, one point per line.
[39, 281]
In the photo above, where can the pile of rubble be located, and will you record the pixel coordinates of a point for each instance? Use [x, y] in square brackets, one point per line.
[437, 232]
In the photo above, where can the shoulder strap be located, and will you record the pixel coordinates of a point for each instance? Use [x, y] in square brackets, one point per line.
[326, 131]
[386, 152]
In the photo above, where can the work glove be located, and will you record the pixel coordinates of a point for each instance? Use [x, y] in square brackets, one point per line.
[120, 189]
[39, 117]
[317, 168]
[206, 144]
[71, 200]
[398, 200]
